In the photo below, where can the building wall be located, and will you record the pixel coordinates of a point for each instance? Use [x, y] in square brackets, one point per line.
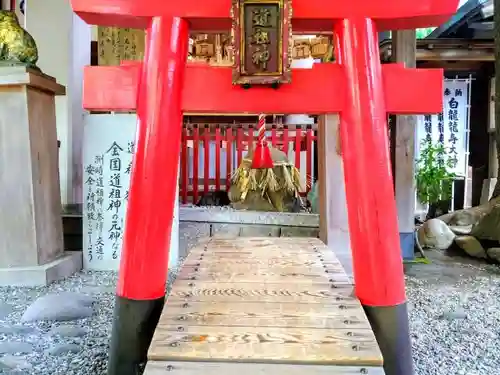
[63, 41]
[5, 4]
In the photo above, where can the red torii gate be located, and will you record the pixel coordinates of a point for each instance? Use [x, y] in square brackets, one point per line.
[357, 86]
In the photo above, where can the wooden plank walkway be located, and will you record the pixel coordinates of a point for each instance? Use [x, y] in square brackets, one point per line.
[257, 306]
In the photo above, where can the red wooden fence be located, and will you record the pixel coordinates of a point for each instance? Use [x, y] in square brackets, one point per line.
[219, 149]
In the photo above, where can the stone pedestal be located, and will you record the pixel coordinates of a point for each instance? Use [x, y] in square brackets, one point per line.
[31, 239]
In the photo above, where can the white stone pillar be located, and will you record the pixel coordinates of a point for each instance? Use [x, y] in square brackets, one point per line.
[63, 41]
[334, 224]
[173, 255]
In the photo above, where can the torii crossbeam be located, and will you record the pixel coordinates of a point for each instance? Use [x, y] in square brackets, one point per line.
[357, 87]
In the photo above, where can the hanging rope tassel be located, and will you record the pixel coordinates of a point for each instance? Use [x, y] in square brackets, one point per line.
[262, 154]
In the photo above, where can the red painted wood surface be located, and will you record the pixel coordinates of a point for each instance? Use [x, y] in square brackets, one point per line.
[318, 90]
[229, 159]
[184, 169]
[371, 207]
[196, 158]
[206, 158]
[222, 138]
[308, 15]
[153, 181]
[218, 146]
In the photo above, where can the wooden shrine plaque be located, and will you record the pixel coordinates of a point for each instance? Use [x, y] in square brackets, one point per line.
[120, 44]
[262, 38]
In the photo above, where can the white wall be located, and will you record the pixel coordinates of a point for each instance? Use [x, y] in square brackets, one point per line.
[63, 41]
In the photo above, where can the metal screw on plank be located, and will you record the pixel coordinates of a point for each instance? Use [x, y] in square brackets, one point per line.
[196, 269]
[174, 344]
[338, 299]
[342, 307]
[355, 348]
[185, 305]
[193, 277]
[170, 368]
[191, 284]
[334, 286]
[180, 329]
[363, 371]
[349, 334]
[326, 271]
[347, 322]
[182, 317]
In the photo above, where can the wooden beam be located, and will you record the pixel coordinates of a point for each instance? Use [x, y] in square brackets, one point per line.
[451, 66]
[404, 51]
[114, 88]
[308, 15]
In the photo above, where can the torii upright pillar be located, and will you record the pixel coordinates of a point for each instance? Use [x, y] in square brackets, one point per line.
[371, 206]
[364, 92]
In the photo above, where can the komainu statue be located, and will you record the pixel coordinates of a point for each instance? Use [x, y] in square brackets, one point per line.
[17, 46]
[275, 189]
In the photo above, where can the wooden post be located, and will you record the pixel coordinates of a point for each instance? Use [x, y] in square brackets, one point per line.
[144, 257]
[371, 208]
[404, 49]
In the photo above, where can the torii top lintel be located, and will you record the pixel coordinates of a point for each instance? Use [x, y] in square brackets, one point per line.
[308, 15]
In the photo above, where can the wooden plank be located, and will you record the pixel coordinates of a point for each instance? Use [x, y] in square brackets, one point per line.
[222, 267]
[188, 273]
[262, 262]
[261, 344]
[270, 287]
[264, 300]
[349, 308]
[254, 292]
[256, 243]
[211, 368]
[263, 315]
[264, 254]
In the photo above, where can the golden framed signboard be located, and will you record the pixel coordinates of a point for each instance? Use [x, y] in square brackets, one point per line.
[262, 39]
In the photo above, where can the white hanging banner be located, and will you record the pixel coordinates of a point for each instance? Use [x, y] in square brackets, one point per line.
[450, 128]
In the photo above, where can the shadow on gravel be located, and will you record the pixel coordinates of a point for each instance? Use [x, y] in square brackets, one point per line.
[450, 267]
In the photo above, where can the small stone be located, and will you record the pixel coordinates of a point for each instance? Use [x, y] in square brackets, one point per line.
[60, 307]
[454, 315]
[435, 234]
[5, 310]
[98, 290]
[494, 253]
[63, 349]
[68, 331]
[14, 347]
[471, 246]
[13, 362]
[15, 329]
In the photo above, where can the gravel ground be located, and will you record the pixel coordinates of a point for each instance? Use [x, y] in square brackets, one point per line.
[454, 318]
[78, 347]
[454, 306]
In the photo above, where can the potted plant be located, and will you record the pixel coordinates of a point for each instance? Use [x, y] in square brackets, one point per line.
[434, 181]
